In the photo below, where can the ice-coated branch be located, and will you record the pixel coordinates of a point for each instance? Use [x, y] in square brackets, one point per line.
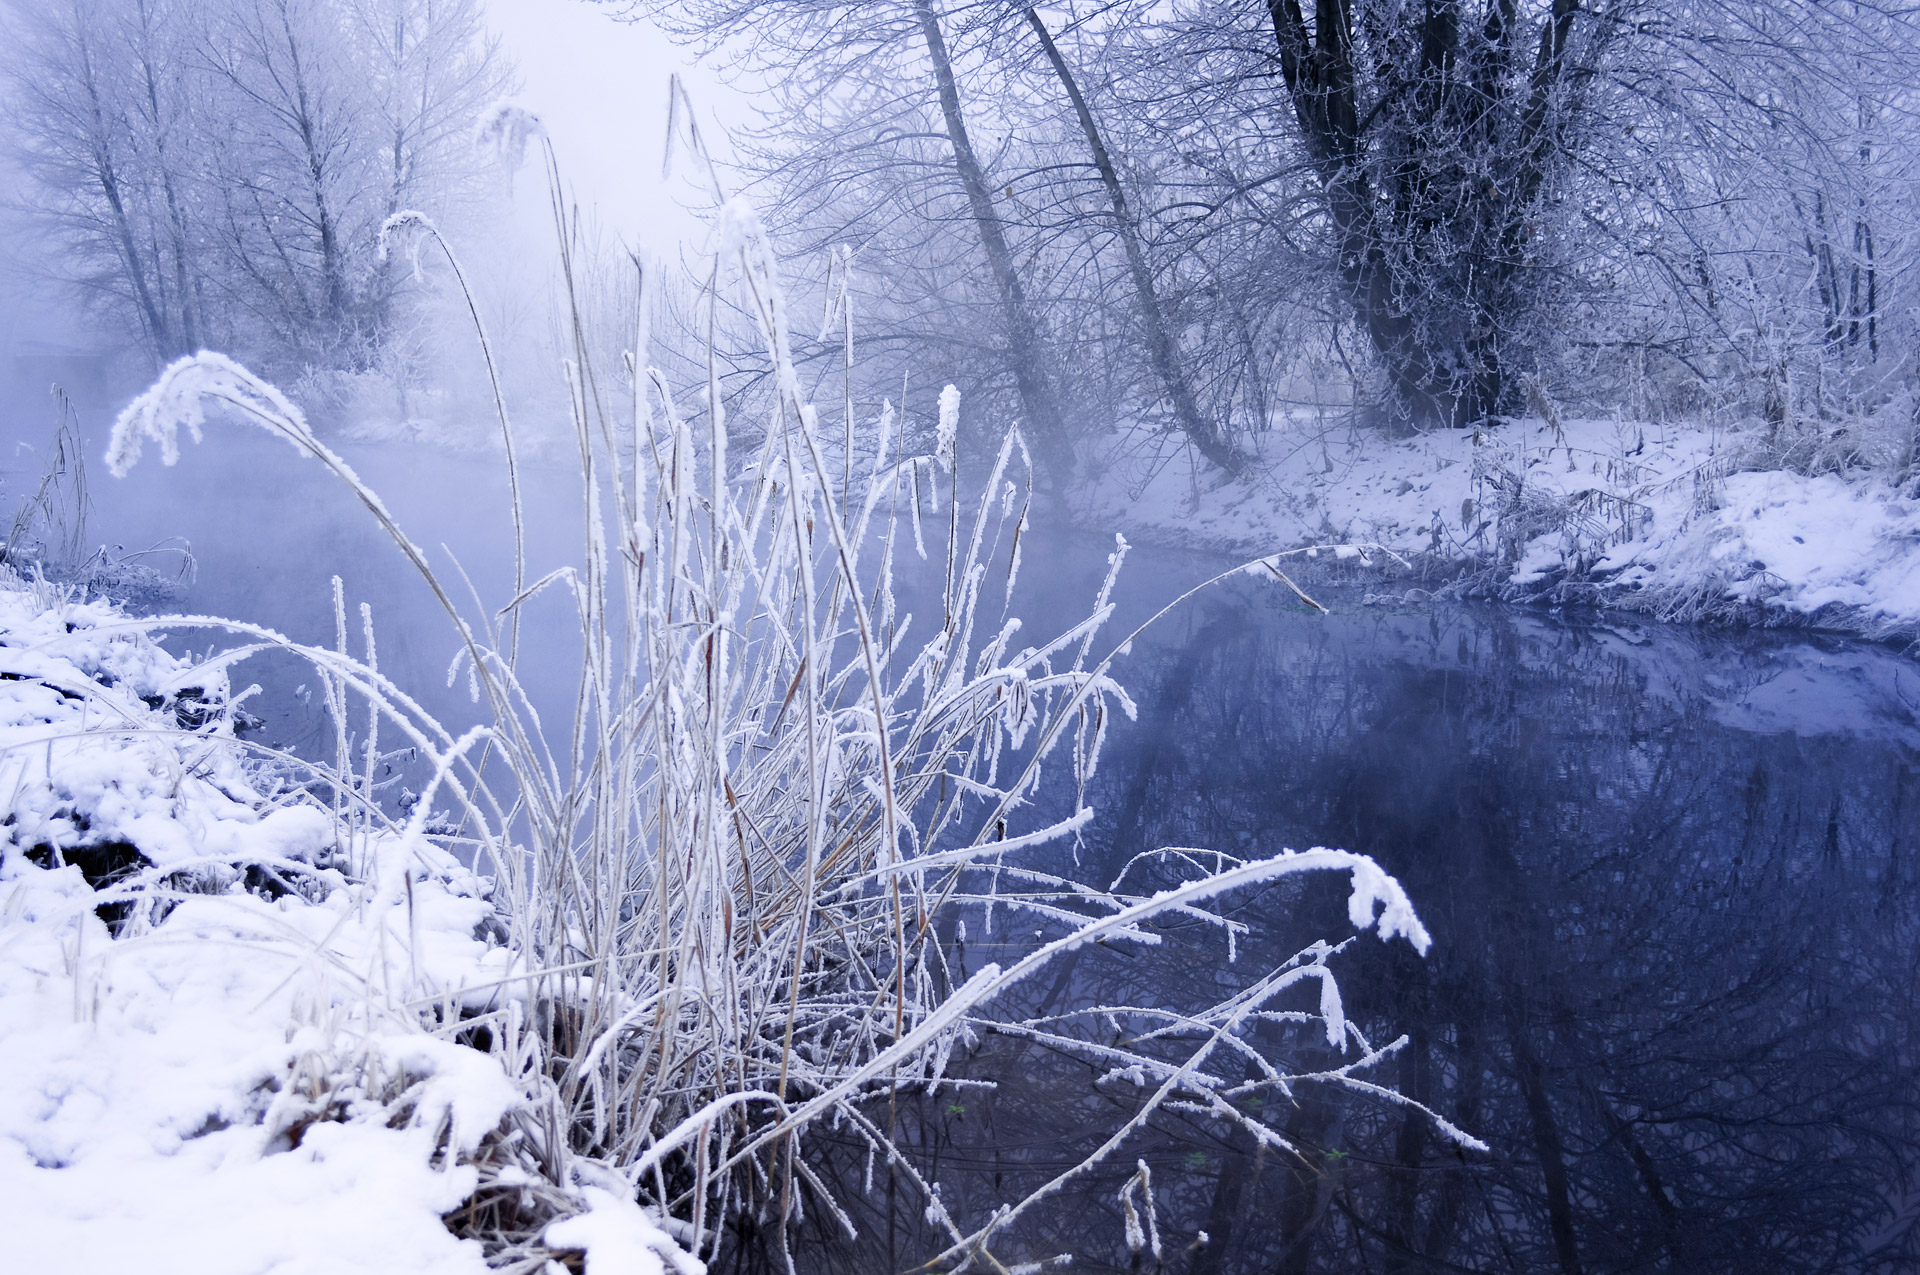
[178, 398]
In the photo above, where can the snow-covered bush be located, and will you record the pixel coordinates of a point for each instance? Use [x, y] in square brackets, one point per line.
[730, 880]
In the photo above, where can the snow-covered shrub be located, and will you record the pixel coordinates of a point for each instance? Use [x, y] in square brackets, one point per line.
[169, 799]
[731, 878]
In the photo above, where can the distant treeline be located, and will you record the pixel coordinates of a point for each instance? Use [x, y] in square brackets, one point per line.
[214, 173]
[1207, 215]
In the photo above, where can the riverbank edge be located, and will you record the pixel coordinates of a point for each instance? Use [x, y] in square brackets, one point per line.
[1663, 523]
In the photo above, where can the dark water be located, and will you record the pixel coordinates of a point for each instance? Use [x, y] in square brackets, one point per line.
[1675, 985]
[1671, 878]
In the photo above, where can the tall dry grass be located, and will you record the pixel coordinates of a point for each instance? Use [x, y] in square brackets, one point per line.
[730, 872]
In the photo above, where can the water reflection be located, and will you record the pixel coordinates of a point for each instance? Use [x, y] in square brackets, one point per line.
[1671, 878]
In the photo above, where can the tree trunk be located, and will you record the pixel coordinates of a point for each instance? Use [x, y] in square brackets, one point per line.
[107, 176]
[1428, 257]
[186, 278]
[1162, 353]
[1410, 1149]
[1024, 351]
[1306, 1189]
[1547, 1142]
[333, 278]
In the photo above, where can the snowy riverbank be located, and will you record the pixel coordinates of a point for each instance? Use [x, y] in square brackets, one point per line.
[1680, 522]
[229, 1016]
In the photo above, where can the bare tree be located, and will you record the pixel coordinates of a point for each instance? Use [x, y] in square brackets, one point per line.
[1024, 349]
[432, 69]
[99, 109]
[1435, 129]
[299, 192]
[1162, 350]
[217, 173]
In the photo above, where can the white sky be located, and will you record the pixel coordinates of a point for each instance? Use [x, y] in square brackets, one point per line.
[600, 86]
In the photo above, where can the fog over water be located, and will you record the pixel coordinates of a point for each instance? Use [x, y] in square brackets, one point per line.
[268, 530]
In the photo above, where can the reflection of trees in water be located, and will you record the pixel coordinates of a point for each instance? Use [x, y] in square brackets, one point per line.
[1674, 979]
[1674, 982]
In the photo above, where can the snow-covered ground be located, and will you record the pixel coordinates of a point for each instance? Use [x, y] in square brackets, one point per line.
[225, 1051]
[1679, 521]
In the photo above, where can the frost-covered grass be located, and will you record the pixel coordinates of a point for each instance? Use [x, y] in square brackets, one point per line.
[726, 886]
[1680, 521]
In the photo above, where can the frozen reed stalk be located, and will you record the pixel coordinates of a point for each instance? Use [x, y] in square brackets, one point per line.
[509, 127]
[1138, 1236]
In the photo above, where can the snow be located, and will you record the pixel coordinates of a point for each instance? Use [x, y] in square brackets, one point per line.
[619, 1239]
[1789, 540]
[1674, 519]
[232, 1082]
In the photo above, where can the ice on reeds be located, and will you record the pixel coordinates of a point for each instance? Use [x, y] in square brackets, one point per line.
[406, 229]
[179, 398]
[728, 891]
[947, 432]
[505, 128]
[1141, 1235]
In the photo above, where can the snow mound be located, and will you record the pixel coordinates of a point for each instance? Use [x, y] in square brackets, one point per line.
[1779, 539]
[227, 1019]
